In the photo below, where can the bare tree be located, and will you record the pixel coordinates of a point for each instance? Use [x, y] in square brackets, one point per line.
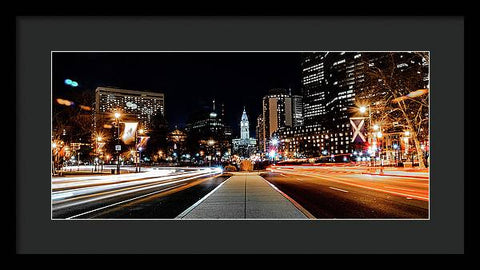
[396, 87]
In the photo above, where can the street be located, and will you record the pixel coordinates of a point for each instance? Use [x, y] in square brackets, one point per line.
[325, 192]
[156, 193]
[352, 192]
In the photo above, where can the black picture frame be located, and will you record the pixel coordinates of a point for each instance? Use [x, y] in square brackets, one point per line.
[440, 235]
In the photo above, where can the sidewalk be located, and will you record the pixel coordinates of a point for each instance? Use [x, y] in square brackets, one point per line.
[244, 196]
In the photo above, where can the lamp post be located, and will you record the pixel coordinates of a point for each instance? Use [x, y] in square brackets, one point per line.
[78, 160]
[407, 146]
[395, 147]
[117, 121]
[54, 149]
[98, 139]
[137, 150]
[140, 158]
[363, 109]
[274, 150]
[211, 144]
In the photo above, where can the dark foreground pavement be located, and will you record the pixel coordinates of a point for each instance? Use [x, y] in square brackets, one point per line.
[162, 203]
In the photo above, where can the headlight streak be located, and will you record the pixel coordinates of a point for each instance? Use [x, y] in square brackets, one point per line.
[89, 190]
[64, 197]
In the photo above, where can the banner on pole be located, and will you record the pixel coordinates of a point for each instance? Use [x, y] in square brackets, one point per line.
[128, 134]
[358, 128]
[143, 141]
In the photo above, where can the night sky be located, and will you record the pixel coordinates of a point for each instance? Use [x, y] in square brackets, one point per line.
[189, 80]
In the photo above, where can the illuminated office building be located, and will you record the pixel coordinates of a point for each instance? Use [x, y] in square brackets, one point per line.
[139, 106]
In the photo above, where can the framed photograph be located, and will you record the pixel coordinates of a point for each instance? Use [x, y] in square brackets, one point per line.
[229, 133]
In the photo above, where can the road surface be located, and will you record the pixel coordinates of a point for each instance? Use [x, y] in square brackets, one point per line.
[343, 192]
[155, 193]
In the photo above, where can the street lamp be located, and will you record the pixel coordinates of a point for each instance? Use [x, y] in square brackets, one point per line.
[138, 150]
[117, 122]
[97, 151]
[139, 158]
[54, 149]
[395, 147]
[211, 154]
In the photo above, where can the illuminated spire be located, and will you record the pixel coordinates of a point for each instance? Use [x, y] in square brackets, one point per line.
[244, 126]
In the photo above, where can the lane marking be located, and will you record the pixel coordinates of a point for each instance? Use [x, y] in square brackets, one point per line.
[365, 187]
[342, 190]
[406, 189]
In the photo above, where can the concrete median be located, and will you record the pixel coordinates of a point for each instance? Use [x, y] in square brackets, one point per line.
[245, 196]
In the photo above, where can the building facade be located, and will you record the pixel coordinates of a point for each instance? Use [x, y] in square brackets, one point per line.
[244, 146]
[279, 109]
[259, 129]
[329, 83]
[138, 106]
[209, 136]
[333, 85]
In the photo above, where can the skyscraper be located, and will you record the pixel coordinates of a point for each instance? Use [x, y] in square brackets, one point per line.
[331, 84]
[280, 109]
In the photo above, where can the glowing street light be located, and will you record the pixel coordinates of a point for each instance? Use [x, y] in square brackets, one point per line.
[379, 134]
[117, 122]
[363, 109]
[274, 141]
[375, 127]
[407, 133]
